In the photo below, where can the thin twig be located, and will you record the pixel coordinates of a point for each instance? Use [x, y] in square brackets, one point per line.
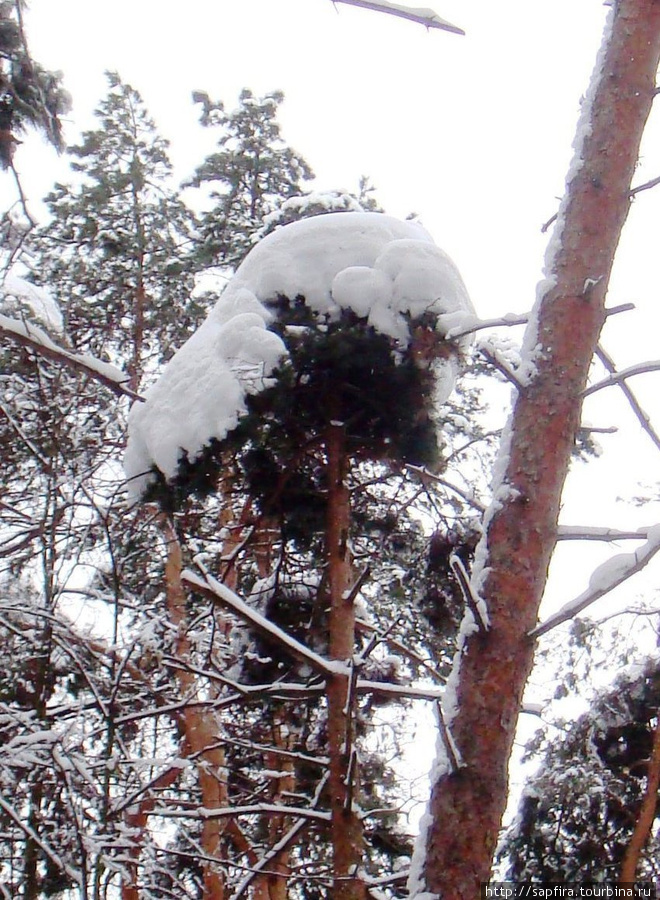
[472, 599]
[643, 418]
[451, 749]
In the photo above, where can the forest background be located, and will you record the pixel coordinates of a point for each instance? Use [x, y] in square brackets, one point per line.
[480, 229]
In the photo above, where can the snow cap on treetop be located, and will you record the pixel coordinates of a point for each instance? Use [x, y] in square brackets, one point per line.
[386, 271]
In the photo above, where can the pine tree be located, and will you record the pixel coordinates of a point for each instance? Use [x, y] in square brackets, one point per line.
[577, 814]
[319, 483]
[29, 95]
[117, 251]
[250, 174]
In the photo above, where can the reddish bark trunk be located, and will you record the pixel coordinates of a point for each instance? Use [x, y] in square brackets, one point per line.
[346, 827]
[200, 731]
[646, 816]
[467, 804]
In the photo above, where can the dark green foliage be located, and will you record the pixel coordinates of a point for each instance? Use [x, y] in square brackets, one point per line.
[338, 371]
[442, 601]
[29, 95]
[578, 812]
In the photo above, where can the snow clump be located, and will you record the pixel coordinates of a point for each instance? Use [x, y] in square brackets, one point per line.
[386, 271]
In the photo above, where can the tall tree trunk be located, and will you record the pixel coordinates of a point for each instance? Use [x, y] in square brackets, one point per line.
[346, 827]
[200, 730]
[468, 801]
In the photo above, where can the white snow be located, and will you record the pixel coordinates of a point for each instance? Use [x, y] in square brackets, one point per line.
[607, 576]
[386, 270]
[20, 296]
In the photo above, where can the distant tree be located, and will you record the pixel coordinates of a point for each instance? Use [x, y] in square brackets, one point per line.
[249, 175]
[29, 95]
[577, 815]
[117, 251]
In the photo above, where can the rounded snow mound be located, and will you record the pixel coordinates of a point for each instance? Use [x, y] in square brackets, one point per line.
[386, 271]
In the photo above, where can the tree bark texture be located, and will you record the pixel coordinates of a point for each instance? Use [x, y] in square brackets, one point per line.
[467, 803]
[346, 826]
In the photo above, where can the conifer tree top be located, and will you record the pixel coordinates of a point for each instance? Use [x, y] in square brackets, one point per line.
[387, 273]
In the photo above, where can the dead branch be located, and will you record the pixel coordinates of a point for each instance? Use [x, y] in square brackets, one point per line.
[645, 187]
[642, 417]
[595, 533]
[622, 375]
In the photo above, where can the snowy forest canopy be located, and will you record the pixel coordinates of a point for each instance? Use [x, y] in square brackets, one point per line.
[209, 693]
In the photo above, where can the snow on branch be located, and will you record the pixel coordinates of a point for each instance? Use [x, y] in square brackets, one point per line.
[604, 579]
[285, 841]
[618, 377]
[35, 339]
[421, 15]
[223, 812]
[220, 593]
[596, 533]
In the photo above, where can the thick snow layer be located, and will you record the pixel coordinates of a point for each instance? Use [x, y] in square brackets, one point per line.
[21, 295]
[201, 393]
[387, 271]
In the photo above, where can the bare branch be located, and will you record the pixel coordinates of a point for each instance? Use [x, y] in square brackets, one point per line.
[620, 376]
[282, 844]
[418, 14]
[424, 475]
[595, 533]
[642, 417]
[645, 187]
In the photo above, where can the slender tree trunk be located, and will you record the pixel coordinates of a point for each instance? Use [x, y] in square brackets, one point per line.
[200, 730]
[468, 801]
[346, 827]
[647, 813]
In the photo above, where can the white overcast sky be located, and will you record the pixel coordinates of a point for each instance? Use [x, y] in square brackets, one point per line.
[472, 133]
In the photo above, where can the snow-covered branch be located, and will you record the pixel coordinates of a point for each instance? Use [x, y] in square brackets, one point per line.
[274, 809]
[506, 321]
[421, 15]
[618, 377]
[596, 533]
[220, 593]
[604, 579]
[285, 841]
[37, 340]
